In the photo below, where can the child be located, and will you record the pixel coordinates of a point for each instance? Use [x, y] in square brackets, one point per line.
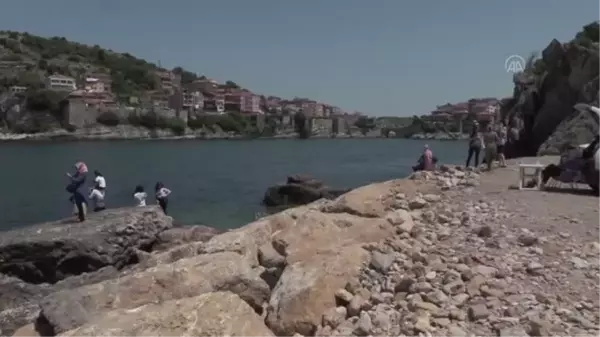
[140, 196]
[97, 196]
[99, 181]
[161, 195]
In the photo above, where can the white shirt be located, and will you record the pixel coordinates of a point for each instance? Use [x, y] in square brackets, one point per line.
[140, 197]
[98, 197]
[163, 193]
[100, 181]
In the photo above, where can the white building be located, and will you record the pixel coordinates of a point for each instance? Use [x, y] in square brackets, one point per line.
[60, 82]
[93, 84]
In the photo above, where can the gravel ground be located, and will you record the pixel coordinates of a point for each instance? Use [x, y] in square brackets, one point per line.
[479, 258]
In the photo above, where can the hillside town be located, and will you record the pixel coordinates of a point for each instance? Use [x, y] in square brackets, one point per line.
[80, 87]
[91, 96]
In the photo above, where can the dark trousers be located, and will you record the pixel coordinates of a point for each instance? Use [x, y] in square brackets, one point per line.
[473, 151]
[164, 202]
[79, 200]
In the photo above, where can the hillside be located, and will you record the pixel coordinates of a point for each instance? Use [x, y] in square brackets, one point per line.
[41, 56]
[50, 85]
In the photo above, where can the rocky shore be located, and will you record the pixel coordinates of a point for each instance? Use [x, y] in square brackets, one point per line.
[453, 252]
[128, 132]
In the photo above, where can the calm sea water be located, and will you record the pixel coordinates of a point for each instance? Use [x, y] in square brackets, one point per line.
[217, 183]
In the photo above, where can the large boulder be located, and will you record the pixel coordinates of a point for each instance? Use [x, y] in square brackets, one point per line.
[212, 314]
[299, 190]
[50, 252]
[222, 271]
[19, 300]
[185, 234]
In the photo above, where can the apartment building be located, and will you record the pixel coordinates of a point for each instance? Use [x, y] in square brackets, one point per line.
[204, 85]
[243, 101]
[60, 82]
[214, 103]
[192, 100]
[168, 81]
[312, 109]
[94, 85]
[98, 82]
[336, 111]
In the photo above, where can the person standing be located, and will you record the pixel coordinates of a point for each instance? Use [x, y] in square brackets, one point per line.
[74, 187]
[162, 194]
[502, 139]
[474, 145]
[490, 142]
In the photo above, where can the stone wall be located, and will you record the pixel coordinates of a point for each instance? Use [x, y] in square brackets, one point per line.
[78, 114]
[322, 125]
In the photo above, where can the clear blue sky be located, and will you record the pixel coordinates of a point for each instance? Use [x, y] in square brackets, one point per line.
[381, 57]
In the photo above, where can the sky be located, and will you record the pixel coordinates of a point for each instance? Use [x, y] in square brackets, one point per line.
[379, 57]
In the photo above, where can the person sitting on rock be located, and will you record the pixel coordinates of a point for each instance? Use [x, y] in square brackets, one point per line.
[99, 181]
[77, 181]
[140, 196]
[426, 162]
[97, 196]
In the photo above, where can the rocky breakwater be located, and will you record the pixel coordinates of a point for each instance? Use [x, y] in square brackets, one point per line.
[38, 260]
[400, 257]
[273, 276]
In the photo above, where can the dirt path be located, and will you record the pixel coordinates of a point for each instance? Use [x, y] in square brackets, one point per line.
[563, 225]
[560, 210]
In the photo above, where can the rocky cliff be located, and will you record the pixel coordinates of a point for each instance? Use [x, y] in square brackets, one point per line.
[544, 95]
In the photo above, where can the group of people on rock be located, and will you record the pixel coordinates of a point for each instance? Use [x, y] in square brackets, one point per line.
[492, 140]
[97, 192]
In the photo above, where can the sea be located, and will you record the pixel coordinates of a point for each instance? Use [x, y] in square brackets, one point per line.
[219, 183]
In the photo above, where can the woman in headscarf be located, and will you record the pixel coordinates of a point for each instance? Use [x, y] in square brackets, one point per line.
[427, 161]
[75, 186]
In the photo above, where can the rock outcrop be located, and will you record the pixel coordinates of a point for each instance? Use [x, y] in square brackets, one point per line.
[545, 93]
[385, 259]
[48, 253]
[299, 190]
[211, 314]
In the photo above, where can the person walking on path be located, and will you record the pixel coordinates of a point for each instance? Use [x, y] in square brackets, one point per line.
[474, 145]
[502, 139]
[490, 142]
[74, 187]
[162, 194]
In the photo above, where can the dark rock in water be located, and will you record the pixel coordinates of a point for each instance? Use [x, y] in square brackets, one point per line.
[185, 234]
[50, 252]
[299, 190]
